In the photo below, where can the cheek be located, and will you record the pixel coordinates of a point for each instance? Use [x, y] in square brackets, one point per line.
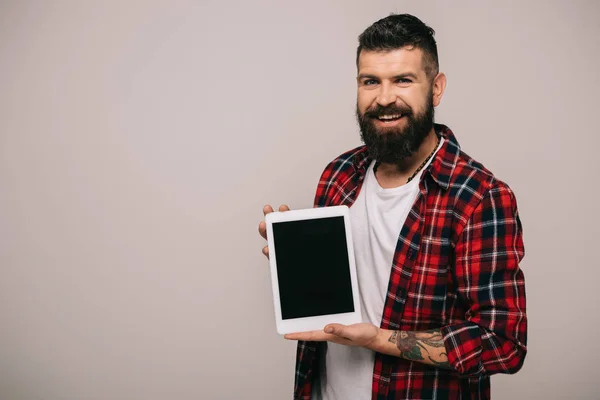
[364, 101]
[417, 102]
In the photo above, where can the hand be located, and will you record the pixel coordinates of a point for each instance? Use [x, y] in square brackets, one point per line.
[363, 334]
[262, 226]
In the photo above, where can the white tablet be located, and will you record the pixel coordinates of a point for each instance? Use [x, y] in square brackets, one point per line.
[312, 269]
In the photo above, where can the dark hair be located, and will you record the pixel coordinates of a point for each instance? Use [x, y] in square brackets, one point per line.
[398, 31]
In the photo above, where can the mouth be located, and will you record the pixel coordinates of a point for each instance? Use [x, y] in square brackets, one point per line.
[388, 119]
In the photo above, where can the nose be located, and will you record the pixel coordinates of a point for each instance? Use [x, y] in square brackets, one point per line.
[386, 95]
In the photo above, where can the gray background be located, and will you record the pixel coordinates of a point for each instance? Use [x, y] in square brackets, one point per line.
[139, 141]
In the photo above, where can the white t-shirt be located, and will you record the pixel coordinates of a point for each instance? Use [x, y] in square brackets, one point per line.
[377, 217]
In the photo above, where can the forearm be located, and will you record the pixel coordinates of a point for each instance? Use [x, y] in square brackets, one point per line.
[426, 347]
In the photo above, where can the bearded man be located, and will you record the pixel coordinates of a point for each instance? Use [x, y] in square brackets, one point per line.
[437, 241]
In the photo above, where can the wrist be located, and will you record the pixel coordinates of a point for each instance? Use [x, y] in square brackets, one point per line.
[378, 343]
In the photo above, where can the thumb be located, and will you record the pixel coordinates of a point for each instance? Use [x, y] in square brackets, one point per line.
[337, 329]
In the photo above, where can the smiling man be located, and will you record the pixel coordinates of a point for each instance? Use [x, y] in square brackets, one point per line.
[437, 241]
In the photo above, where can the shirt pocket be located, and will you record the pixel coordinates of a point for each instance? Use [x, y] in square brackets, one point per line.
[430, 284]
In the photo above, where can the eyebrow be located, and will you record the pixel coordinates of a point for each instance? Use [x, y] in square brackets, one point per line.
[399, 76]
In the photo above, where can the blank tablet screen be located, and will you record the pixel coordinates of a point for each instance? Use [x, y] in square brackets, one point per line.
[313, 269]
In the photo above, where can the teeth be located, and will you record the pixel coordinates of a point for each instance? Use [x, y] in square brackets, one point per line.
[390, 116]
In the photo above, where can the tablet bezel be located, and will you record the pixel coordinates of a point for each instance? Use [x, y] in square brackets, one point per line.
[319, 322]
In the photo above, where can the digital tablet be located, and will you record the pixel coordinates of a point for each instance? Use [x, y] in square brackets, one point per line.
[312, 269]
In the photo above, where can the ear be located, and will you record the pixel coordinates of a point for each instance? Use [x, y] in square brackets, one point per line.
[439, 85]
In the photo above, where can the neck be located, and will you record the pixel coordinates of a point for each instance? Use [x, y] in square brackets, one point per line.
[394, 175]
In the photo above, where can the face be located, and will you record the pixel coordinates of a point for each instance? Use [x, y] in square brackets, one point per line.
[395, 103]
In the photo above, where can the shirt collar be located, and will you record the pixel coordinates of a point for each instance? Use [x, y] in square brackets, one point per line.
[445, 160]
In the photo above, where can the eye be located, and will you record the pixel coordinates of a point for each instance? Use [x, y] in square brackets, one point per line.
[403, 80]
[368, 82]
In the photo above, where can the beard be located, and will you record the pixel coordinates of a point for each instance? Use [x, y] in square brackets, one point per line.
[393, 145]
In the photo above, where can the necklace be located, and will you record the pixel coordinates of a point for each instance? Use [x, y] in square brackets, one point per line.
[425, 161]
[420, 166]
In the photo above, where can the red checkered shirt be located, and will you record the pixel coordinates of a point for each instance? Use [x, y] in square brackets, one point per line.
[455, 267]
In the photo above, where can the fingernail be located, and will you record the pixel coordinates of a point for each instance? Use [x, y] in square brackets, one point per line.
[329, 330]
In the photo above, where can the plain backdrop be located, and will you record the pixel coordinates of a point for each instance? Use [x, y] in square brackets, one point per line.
[139, 141]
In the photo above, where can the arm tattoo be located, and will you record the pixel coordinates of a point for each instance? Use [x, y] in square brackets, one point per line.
[412, 345]
[392, 338]
[443, 364]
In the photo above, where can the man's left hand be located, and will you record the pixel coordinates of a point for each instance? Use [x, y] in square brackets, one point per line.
[363, 334]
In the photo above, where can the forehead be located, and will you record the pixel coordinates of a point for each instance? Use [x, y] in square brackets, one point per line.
[391, 62]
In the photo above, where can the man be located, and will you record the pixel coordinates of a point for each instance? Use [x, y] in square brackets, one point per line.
[437, 242]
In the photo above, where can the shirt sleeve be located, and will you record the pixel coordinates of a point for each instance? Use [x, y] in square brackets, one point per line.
[492, 338]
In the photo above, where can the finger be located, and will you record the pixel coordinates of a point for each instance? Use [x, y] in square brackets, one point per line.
[318, 336]
[262, 229]
[284, 207]
[267, 209]
[265, 251]
[312, 336]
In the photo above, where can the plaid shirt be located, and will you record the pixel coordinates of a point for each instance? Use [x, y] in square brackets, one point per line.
[455, 267]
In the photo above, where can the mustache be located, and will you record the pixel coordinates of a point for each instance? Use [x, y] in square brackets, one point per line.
[378, 111]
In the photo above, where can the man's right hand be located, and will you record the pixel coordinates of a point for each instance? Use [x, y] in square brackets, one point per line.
[262, 226]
